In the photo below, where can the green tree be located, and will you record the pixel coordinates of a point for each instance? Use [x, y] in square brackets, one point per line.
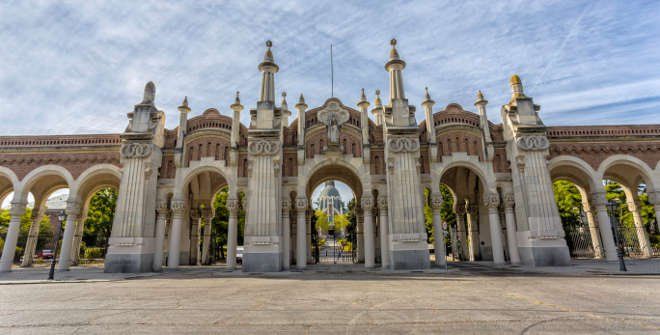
[569, 202]
[221, 221]
[100, 214]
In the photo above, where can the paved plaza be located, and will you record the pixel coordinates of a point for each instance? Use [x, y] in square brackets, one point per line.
[474, 298]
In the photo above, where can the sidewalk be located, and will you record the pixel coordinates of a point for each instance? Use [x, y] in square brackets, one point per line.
[39, 275]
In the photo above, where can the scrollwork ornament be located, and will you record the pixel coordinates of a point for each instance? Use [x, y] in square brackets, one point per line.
[136, 150]
[382, 202]
[263, 147]
[403, 144]
[533, 142]
[178, 206]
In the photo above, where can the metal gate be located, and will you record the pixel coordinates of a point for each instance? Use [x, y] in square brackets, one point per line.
[339, 248]
[579, 239]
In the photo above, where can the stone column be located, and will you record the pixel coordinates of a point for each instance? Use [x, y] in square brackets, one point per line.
[309, 231]
[161, 224]
[454, 244]
[359, 231]
[207, 216]
[492, 201]
[196, 219]
[654, 199]
[593, 228]
[369, 245]
[232, 232]
[509, 217]
[16, 212]
[598, 200]
[286, 235]
[472, 238]
[72, 214]
[77, 240]
[642, 237]
[460, 232]
[178, 211]
[438, 231]
[301, 233]
[33, 236]
[384, 229]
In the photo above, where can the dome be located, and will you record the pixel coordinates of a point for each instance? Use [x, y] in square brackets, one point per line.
[329, 190]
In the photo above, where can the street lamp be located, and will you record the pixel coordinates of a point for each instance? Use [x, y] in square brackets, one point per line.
[61, 216]
[613, 206]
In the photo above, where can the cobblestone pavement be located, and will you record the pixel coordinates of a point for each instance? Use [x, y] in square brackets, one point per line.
[328, 300]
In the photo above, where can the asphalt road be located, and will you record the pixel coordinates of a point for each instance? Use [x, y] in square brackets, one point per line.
[470, 300]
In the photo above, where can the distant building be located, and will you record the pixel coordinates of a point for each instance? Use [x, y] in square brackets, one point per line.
[330, 201]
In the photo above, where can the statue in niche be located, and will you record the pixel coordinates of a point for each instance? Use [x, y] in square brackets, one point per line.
[333, 117]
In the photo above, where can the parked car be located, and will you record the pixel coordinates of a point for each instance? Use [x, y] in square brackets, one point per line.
[45, 254]
[239, 254]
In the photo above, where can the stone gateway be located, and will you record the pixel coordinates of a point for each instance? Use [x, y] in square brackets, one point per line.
[500, 177]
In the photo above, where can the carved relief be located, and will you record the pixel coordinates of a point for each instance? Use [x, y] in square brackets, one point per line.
[263, 147]
[136, 150]
[492, 200]
[436, 200]
[403, 144]
[533, 142]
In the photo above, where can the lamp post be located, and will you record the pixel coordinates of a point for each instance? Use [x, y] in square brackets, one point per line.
[61, 216]
[613, 206]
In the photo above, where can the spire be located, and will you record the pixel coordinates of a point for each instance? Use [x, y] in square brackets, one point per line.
[268, 69]
[237, 102]
[516, 87]
[301, 102]
[395, 67]
[427, 97]
[184, 104]
[377, 102]
[480, 99]
[363, 100]
[284, 104]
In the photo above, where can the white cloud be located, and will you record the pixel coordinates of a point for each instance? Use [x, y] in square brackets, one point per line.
[80, 66]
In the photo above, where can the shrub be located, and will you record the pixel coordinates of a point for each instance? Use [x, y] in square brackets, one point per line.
[93, 252]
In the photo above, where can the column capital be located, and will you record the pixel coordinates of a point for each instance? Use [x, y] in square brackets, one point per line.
[382, 203]
[17, 208]
[72, 208]
[162, 207]
[509, 200]
[367, 202]
[232, 205]
[178, 206]
[436, 201]
[598, 199]
[492, 200]
[286, 205]
[301, 203]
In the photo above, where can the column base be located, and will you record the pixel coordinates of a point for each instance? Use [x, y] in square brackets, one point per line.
[409, 255]
[129, 255]
[545, 253]
[261, 262]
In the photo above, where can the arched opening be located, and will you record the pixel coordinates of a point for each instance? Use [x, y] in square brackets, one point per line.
[204, 233]
[448, 218]
[469, 237]
[334, 217]
[572, 188]
[627, 185]
[220, 227]
[334, 239]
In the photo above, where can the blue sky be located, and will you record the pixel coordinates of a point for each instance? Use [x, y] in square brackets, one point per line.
[79, 67]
